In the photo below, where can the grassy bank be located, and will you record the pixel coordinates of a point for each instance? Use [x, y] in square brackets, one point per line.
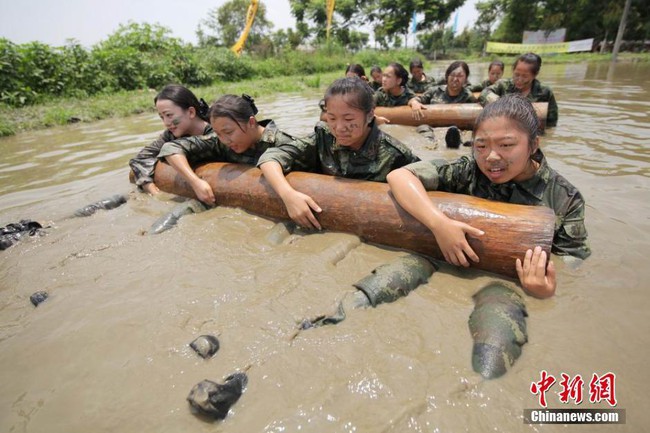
[61, 111]
[69, 110]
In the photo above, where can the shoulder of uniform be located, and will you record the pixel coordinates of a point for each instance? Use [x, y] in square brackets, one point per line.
[395, 143]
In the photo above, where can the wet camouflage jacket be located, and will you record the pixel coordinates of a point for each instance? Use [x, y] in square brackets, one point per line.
[144, 162]
[374, 85]
[538, 93]
[439, 95]
[479, 87]
[421, 86]
[320, 153]
[208, 148]
[383, 99]
[546, 188]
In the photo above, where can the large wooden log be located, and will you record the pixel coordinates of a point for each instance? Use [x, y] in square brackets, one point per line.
[368, 210]
[461, 115]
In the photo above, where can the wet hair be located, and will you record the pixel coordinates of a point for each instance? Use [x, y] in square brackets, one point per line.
[374, 69]
[415, 63]
[358, 93]
[400, 72]
[457, 64]
[532, 59]
[356, 69]
[515, 107]
[184, 98]
[236, 108]
[498, 63]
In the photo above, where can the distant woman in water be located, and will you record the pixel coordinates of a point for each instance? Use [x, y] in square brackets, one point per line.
[454, 92]
[237, 137]
[524, 81]
[349, 145]
[506, 165]
[393, 91]
[495, 72]
[183, 115]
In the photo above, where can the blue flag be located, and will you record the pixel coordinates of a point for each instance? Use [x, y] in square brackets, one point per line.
[413, 23]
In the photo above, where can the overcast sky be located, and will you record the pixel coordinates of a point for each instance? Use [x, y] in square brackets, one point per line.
[90, 21]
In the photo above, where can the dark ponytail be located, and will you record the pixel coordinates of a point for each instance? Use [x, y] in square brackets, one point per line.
[237, 108]
[184, 98]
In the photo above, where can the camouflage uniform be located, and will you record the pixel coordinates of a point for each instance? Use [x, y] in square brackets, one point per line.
[320, 153]
[208, 148]
[479, 87]
[374, 85]
[421, 86]
[145, 161]
[538, 93]
[545, 188]
[439, 95]
[383, 99]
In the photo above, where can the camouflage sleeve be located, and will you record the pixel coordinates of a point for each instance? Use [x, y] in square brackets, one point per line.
[380, 99]
[491, 93]
[427, 173]
[571, 236]
[553, 112]
[425, 98]
[298, 154]
[442, 175]
[144, 162]
[198, 148]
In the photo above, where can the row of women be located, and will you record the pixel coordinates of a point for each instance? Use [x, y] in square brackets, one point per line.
[506, 164]
[393, 87]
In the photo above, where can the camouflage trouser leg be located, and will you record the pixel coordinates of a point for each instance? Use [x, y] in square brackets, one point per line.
[386, 283]
[498, 327]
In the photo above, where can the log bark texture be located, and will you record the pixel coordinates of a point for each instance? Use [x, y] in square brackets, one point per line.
[461, 115]
[369, 210]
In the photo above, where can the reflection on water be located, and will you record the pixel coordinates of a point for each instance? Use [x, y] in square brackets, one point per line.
[108, 350]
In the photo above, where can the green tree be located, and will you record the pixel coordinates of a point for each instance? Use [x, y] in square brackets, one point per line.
[224, 24]
[145, 55]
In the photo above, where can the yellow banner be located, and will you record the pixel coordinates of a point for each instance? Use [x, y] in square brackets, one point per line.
[559, 47]
[250, 18]
[330, 12]
[500, 47]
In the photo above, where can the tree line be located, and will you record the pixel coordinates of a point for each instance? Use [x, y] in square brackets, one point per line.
[139, 56]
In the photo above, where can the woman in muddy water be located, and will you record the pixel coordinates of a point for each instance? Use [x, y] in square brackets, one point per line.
[238, 137]
[183, 115]
[524, 81]
[454, 92]
[495, 72]
[393, 91]
[349, 145]
[506, 165]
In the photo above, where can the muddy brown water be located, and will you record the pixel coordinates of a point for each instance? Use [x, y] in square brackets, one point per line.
[108, 351]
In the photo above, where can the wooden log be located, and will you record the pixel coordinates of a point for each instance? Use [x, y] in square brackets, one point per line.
[368, 210]
[461, 115]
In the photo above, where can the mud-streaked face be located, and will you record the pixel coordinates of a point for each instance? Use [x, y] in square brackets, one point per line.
[348, 124]
[523, 76]
[502, 152]
[390, 80]
[176, 119]
[495, 73]
[456, 80]
[239, 137]
[417, 73]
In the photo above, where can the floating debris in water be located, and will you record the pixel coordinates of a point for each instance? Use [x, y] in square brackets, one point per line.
[111, 202]
[38, 297]
[213, 399]
[205, 346]
[12, 233]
